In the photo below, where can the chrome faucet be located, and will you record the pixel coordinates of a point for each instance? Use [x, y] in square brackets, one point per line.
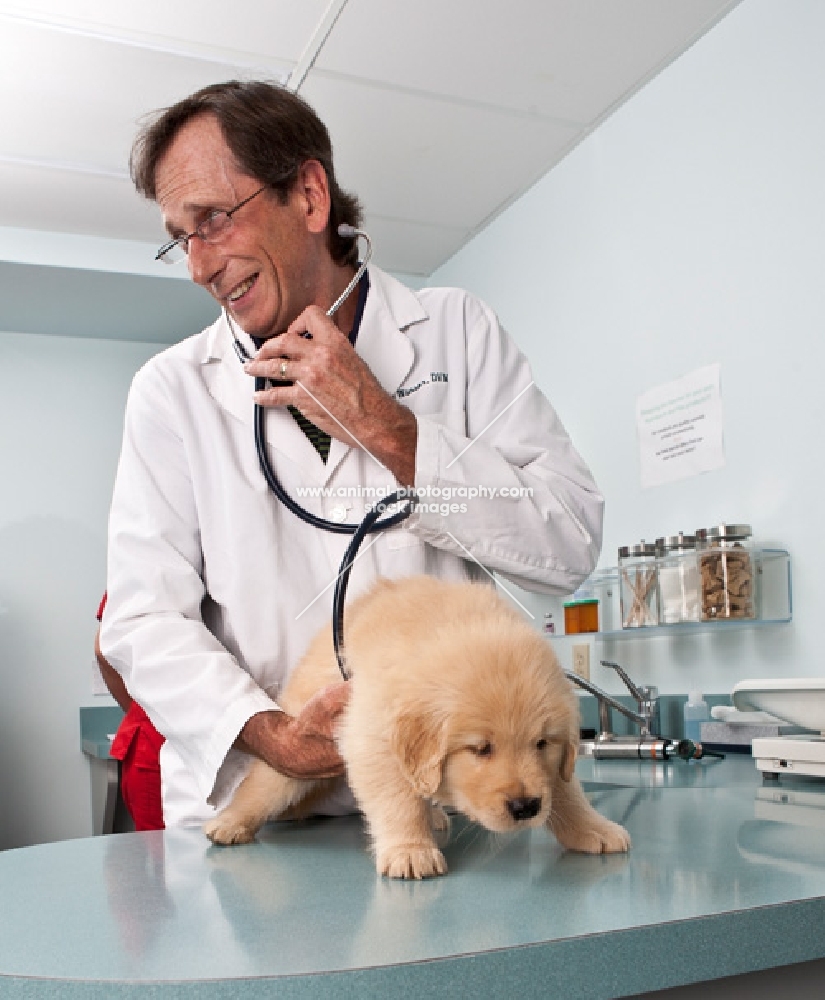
[647, 698]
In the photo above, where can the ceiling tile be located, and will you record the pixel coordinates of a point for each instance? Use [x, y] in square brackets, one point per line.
[419, 158]
[63, 202]
[276, 29]
[442, 112]
[78, 100]
[570, 59]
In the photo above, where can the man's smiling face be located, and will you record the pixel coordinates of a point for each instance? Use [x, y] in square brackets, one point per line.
[264, 270]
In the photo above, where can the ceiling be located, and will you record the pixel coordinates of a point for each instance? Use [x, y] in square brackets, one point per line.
[442, 112]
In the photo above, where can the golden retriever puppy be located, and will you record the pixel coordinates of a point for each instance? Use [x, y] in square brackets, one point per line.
[456, 703]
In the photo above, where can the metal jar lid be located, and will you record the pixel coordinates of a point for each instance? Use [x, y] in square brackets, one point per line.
[724, 532]
[675, 543]
[634, 551]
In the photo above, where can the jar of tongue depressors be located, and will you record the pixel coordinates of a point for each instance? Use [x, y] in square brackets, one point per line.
[638, 591]
[728, 572]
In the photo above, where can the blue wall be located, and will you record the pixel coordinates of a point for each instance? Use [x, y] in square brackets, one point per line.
[62, 402]
[687, 230]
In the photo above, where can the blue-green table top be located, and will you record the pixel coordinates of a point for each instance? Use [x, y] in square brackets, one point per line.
[725, 876]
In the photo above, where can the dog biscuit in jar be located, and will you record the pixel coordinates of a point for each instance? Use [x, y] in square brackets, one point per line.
[726, 568]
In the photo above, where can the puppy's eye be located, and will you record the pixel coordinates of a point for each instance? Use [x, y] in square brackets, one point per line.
[542, 743]
[482, 749]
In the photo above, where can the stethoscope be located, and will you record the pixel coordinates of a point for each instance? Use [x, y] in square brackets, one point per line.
[371, 522]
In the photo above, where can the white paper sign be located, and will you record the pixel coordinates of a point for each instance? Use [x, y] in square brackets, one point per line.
[680, 428]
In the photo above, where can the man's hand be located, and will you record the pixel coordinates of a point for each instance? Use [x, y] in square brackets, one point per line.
[334, 389]
[301, 746]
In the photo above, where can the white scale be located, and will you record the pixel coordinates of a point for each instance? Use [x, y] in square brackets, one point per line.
[800, 701]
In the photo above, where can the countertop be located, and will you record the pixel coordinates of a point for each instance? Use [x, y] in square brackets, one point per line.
[97, 725]
[726, 876]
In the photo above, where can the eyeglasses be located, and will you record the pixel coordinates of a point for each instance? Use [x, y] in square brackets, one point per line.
[213, 229]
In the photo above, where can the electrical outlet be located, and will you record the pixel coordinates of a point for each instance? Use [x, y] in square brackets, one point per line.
[581, 660]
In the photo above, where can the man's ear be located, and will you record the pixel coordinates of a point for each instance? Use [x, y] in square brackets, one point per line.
[313, 186]
[420, 744]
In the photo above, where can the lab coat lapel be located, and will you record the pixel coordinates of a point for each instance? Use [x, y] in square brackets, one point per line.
[232, 389]
[222, 372]
[382, 344]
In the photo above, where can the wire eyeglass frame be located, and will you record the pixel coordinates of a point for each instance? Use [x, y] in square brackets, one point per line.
[213, 229]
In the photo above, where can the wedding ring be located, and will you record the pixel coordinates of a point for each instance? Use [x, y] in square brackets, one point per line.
[283, 367]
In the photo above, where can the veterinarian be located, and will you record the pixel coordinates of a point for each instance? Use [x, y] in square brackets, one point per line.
[215, 588]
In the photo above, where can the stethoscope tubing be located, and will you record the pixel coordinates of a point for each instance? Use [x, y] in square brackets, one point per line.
[373, 522]
[366, 527]
[336, 527]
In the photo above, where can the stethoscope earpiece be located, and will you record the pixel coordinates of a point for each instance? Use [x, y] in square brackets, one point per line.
[349, 231]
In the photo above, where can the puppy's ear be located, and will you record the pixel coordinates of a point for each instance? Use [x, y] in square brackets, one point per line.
[571, 748]
[568, 761]
[420, 744]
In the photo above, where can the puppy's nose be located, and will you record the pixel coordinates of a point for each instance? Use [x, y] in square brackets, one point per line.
[521, 809]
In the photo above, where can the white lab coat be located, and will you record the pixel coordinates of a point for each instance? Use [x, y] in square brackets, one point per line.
[215, 589]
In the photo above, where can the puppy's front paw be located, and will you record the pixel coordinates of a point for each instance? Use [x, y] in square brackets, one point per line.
[604, 837]
[227, 829]
[413, 861]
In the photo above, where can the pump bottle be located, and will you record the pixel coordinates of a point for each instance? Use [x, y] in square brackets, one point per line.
[695, 713]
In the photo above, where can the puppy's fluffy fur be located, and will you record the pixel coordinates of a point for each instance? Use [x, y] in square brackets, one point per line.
[456, 702]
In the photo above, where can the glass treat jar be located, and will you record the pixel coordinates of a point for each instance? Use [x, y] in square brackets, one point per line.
[727, 571]
[638, 592]
[680, 591]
